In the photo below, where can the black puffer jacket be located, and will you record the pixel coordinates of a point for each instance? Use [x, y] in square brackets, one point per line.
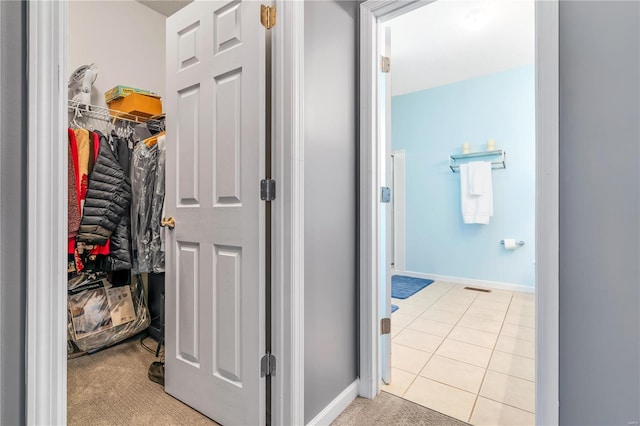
[119, 258]
[120, 243]
[107, 202]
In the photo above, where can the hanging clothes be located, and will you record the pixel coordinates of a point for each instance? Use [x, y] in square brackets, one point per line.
[84, 153]
[119, 256]
[108, 197]
[157, 207]
[73, 205]
[94, 148]
[81, 143]
[143, 173]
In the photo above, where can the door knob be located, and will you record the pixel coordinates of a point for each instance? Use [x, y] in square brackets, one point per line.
[169, 222]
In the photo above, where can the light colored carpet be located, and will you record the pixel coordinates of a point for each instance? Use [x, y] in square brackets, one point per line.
[111, 388]
[386, 409]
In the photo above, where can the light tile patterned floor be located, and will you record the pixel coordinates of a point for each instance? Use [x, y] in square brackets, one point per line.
[467, 354]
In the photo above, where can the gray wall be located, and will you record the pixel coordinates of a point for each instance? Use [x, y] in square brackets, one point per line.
[13, 143]
[330, 201]
[599, 212]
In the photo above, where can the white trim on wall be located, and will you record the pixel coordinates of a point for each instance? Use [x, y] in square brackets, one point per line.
[547, 213]
[46, 389]
[288, 216]
[498, 285]
[368, 213]
[337, 406]
[547, 202]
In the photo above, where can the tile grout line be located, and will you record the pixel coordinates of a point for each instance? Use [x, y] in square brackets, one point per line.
[508, 405]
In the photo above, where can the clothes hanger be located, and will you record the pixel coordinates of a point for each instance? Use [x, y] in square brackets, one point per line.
[74, 121]
[153, 140]
[109, 127]
[149, 142]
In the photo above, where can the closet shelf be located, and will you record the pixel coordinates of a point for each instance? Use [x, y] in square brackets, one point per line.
[102, 113]
[496, 164]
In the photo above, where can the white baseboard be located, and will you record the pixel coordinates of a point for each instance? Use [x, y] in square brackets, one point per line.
[337, 406]
[469, 281]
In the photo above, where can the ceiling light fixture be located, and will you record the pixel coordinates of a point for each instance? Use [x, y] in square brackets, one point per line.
[476, 19]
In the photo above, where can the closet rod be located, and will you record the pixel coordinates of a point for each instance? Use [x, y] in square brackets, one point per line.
[102, 113]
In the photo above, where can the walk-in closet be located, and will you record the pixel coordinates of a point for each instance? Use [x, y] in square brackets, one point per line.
[116, 224]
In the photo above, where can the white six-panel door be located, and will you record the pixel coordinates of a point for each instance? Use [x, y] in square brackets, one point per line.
[215, 297]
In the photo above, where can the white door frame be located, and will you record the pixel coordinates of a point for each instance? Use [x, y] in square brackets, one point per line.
[46, 351]
[373, 12]
[288, 213]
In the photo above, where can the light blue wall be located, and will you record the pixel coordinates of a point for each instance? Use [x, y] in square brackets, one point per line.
[431, 124]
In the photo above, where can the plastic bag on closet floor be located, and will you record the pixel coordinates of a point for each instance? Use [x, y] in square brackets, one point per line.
[101, 315]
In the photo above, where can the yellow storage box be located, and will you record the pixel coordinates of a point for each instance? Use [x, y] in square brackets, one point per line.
[137, 104]
[122, 91]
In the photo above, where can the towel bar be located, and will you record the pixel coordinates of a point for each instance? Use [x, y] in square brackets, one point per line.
[499, 164]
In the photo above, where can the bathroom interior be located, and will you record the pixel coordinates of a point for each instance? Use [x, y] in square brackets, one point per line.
[464, 344]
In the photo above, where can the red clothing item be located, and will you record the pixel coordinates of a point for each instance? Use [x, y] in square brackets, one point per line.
[74, 215]
[71, 245]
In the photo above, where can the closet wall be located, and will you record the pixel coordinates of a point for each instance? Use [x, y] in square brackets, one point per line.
[125, 39]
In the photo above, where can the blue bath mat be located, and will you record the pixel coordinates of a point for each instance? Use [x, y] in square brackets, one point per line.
[403, 287]
[394, 308]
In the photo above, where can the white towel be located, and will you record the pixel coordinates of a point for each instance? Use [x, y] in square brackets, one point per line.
[478, 173]
[476, 208]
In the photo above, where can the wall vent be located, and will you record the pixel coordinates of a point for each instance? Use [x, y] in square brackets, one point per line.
[484, 290]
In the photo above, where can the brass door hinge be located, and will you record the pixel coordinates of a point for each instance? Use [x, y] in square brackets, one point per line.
[268, 16]
[386, 64]
[385, 326]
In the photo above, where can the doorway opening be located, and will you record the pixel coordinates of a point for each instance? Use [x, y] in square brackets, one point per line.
[189, 213]
[450, 347]
[460, 221]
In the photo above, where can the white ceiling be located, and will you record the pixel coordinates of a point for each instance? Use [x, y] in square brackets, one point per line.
[437, 44]
[165, 7]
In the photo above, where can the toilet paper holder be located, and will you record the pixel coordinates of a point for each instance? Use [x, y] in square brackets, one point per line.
[520, 243]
